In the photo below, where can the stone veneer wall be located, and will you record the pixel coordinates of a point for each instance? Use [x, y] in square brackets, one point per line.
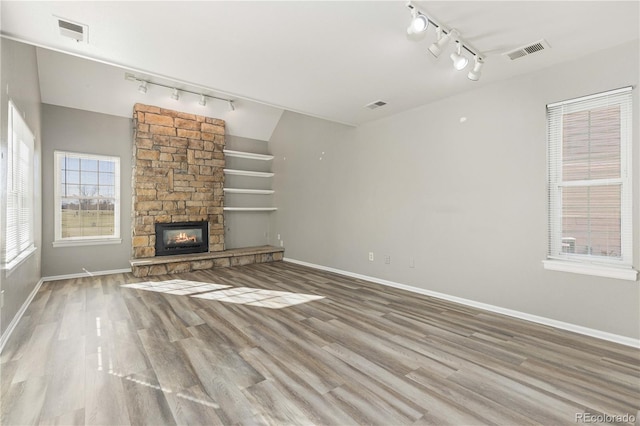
[178, 175]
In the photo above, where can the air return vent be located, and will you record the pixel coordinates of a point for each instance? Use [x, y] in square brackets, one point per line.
[527, 50]
[73, 30]
[376, 104]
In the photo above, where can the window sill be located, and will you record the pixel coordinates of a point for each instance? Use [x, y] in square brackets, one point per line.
[87, 242]
[13, 265]
[591, 269]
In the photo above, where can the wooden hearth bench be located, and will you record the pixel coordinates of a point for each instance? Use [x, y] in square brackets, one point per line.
[162, 265]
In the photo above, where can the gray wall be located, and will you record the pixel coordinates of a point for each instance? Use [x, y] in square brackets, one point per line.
[75, 130]
[19, 77]
[466, 200]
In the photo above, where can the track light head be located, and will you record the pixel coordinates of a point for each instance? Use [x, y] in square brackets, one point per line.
[441, 42]
[175, 95]
[459, 61]
[143, 87]
[203, 100]
[419, 23]
[474, 74]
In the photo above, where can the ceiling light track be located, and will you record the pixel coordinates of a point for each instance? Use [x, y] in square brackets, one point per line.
[175, 92]
[420, 21]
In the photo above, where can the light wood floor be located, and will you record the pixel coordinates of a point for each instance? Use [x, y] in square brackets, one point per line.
[90, 351]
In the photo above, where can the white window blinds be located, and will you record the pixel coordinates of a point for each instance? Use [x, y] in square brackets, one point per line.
[589, 179]
[19, 236]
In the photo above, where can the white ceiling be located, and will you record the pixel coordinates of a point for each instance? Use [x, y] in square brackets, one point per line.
[74, 82]
[322, 58]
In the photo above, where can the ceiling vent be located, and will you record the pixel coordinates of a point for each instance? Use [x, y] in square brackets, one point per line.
[527, 50]
[73, 30]
[376, 104]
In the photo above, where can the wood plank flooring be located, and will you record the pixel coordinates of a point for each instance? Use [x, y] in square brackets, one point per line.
[94, 351]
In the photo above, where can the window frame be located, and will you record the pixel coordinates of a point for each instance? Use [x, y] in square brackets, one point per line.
[19, 132]
[60, 241]
[612, 267]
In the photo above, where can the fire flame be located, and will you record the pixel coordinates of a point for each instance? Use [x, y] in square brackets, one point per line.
[183, 237]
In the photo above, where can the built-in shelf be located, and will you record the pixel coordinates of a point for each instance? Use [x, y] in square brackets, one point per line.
[248, 155]
[247, 191]
[250, 209]
[247, 173]
[250, 173]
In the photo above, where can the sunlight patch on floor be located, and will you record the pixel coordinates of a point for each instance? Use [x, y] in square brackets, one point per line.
[177, 287]
[258, 297]
[271, 299]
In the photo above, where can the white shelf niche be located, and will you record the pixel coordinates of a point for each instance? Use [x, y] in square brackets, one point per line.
[248, 191]
[247, 155]
[250, 209]
[248, 173]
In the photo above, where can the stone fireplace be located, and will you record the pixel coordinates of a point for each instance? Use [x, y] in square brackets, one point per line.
[178, 178]
[177, 175]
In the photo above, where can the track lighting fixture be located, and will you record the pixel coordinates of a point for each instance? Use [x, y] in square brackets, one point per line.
[441, 41]
[175, 93]
[474, 74]
[419, 23]
[459, 61]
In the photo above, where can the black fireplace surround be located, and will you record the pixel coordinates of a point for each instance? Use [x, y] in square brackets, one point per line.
[182, 238]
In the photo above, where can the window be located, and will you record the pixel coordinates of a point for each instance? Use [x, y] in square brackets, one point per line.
[87, 199]
[19, 241]
[589, 185]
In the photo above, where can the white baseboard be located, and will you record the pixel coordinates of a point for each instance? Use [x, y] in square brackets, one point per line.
[18, 316]
[86, 274]
[616, 338]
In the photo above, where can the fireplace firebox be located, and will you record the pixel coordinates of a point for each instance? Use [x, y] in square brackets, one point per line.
[182, 238]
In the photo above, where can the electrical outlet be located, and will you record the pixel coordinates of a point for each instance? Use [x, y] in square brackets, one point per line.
[281, 243]
[278, 236]
[387, 260]
[370, 256]
[412, 262]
